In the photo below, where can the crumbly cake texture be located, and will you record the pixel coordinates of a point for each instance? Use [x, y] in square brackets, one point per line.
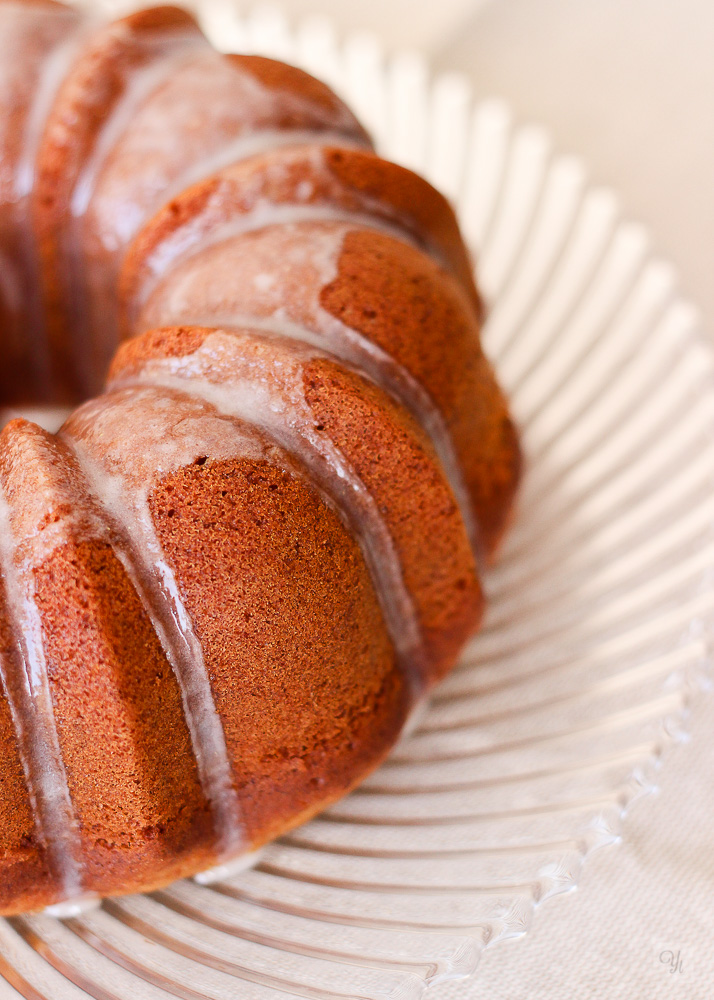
[259, 538]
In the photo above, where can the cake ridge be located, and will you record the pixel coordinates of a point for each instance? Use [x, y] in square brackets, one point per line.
[325, 330]
[259, 142]
[52, 73]
[351, 348]
[27, 692]
[261, 216]
[135, 543]
[151, 51]
[144, 81]
[295, 432]
[71, 31]
[305, 203]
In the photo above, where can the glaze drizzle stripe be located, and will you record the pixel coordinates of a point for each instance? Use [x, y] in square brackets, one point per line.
[53, 70]
[183, 246]
[24, 678]
[172, 50]
[329, 333]
[348, 346]
[259, 141]
[135, 543]
[283, 416]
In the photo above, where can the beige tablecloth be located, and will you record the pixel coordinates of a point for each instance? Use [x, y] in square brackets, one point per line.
[643, 908]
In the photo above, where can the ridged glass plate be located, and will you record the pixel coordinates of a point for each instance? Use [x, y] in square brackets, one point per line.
[529, 755]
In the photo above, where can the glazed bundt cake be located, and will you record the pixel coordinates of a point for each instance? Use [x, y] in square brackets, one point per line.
[229, 575]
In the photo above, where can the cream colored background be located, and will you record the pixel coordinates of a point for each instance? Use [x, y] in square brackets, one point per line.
[629, 85]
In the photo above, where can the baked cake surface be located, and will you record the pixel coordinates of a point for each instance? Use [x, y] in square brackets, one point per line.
[235, 568]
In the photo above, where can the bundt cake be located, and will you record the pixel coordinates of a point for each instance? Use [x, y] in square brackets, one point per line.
[229, 575]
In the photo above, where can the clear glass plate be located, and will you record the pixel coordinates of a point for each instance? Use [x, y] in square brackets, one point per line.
[529, 755]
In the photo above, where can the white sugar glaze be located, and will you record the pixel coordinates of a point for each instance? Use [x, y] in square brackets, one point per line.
[182, 246]
[209, 226]
[257, 143]
[26, 687]
[225, 133]
[166, 54]
[243, 376]
[169, 54]
[124, 444]
[296, 313]
[124, 448]
[61, 38]
[53, 71]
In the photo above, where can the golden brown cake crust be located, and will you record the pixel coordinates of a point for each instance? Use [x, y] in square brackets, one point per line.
[124, 742]
[289, 80]
[97, 82]
[43, 26]
[396, 463]
[227, 579]
[394, 460]
[412, 197]
[278, 590]
[344, 179]
[400, 300]
[26, 883]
